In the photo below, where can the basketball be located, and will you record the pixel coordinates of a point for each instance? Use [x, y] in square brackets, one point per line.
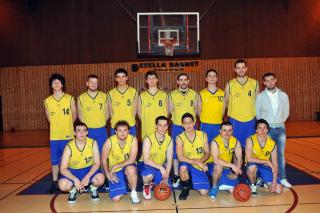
[242, 192]
[162, 192]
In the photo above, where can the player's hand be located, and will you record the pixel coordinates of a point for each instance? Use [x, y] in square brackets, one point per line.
[163, 172]
[236, 170]
[78, 185]
[85, 181]
[112, 177]
[164, 182]
[113, 169]
[203, 166]
[273, 187]
[232, 176]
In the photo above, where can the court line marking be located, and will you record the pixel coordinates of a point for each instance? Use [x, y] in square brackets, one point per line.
[295, 200]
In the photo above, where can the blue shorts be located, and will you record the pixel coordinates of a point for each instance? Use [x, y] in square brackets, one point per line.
[242, 130]
[81, 173]
[212, 130]
[119, 188]
[263, 171]
[99, 135]
[199, 178]
[157, 177]
[224, 179]
[132, 131]
[56, 151]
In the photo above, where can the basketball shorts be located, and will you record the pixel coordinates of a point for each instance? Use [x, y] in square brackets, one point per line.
[56, 151]
[157, 177]
[242, 130]
[199, 178]
[264, 172]
[212, 130]
[99, 135]
[81, 173]
[224, 179]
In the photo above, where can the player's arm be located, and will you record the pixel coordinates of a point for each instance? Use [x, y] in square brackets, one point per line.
[170, 104]
[79, 109]
[199, 105]
[104, 161]
[249, 157]
[257, 89]
[169, 158]
[146, 154]
[132, 156]
[47, 111]
[195, 104]
[106, 109]
[180, 153]
[274, 160]
[226, 99]
[167, 105]
[73, 110]
[135, 104]
[139, 107]
[109, 104]
[238, 155]
[96, 161]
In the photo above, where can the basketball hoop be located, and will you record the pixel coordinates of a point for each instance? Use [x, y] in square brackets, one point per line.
[168, 45]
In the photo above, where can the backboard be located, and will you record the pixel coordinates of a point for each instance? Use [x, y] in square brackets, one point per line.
[156, 30]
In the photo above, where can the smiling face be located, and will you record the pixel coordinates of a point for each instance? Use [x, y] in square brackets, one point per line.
[188, 124]
[56, 85]
[92, 84]
[183, 82]
[241, 69]
[121, 79]
[81, 132]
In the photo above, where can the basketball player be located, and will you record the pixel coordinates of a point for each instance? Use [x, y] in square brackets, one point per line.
[152, 103]
[211, 106]
[192, 151]
[226, 154]
[122, 102]
[80, 165]
[157, 156]
[181, 101]
[261, 156]
[61, 113]
[92, 110]
[118, 160]
[276, 115]
[240, 98]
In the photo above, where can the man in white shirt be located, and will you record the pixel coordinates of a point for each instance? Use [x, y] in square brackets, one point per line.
[275, 115]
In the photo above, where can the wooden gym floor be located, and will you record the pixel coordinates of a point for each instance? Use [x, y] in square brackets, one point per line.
[21, 167]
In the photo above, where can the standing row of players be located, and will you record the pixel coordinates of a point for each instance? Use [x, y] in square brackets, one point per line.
[123, 102]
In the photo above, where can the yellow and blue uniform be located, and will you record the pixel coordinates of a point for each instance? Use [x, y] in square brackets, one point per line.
[195, 150]
[158, 154]
[263, 153]
[81, 161]
[241, 108]
[152, 106]
[182, 103]
[123, 107]
[226, 154]
[94, 116]
[211, 112]
[118, 155]
[61, 124]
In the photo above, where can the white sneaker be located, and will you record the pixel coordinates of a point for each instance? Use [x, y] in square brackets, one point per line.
[146, 192]
[176, 181]
[134, 197]
[284, 182]
[225, 187]
[254, 190]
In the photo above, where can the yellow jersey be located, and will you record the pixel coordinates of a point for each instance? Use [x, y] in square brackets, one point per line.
[182, 103]
[81, 159]
[152, 106]
[225, 152]
[193, 149]
[262, 153]
[60, 115]
[242, 99]
[158, 150]
[117, 153]
[122, 105]
[93, 109]
[211, 106]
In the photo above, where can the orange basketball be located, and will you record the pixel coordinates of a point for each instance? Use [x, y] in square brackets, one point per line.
[162, 192]
[242, 192]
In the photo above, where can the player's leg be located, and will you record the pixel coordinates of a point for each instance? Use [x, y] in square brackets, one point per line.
[252, 176]
[200, 181]
[147, 177]
[118, 189]
[132, 177]
[184, 176]
[216, 174]
[175, 131]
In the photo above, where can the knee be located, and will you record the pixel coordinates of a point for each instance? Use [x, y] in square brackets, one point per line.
[217, 169]
[65, 185]
[251, 169]
[147, 178]
[117, 198]
[203, 192]
[183, 169]
[98, 180]
[131, 171]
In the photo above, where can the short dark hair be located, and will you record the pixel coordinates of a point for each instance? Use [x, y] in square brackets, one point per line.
[240, 61]
[187, 115]
[93, 76]
[56, 76]
[120, 70]
[162, 118]
[150, 73]
[225, 123]
[268, 74]
[261, 121]
[182, 74]
[79, 123]
[211, 70]
[121, 123]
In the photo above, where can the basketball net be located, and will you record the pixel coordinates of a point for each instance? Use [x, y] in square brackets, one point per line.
[168, 45]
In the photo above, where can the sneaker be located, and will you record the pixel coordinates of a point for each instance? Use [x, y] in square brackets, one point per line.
[73, 196]
[254, 190]
[94, 194]
[176, 181]
[134, 197]
[284, 182]
[53, 187]
[184, 194]
[259, 182]
[225, 187]
[147, 192]
[213, 192]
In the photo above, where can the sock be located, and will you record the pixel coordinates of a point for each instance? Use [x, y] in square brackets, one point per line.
[185, 184]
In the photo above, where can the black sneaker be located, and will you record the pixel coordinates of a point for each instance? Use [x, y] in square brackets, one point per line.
[72, 197]
[184, 194]
[176, 181]
[94, 194]
[53, 187]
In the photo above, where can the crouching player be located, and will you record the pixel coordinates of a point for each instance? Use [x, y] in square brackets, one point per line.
[261, 155]
[227, 157]
[119, 153]
[192, 151]
[80, 165]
